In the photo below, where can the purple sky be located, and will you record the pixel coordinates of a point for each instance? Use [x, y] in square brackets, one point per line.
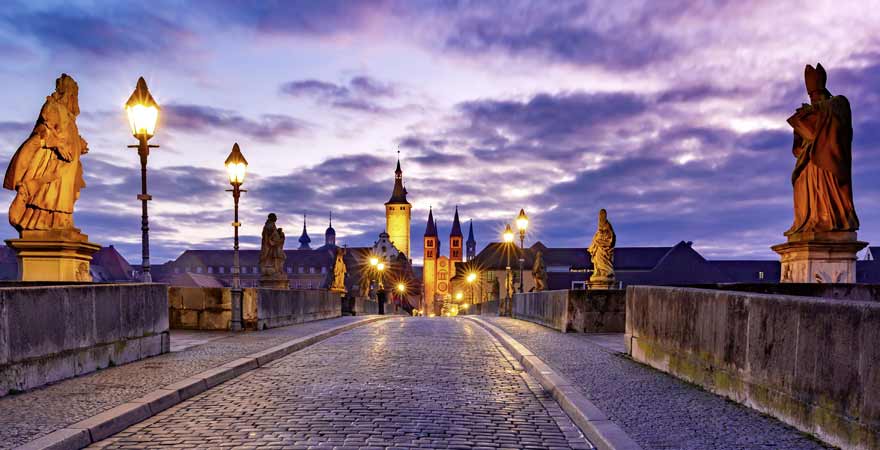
[669, 114]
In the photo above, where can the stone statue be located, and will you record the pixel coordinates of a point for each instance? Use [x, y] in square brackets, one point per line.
[602, 254]
[339, 271]
[822, 242]
[46, 172]
[539, 272]
[508, 284]
[272, 255]
[365, 285]
[822, 176]
[496, 289]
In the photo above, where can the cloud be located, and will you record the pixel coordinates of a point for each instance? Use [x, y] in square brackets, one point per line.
[198, 118]
[361, 94]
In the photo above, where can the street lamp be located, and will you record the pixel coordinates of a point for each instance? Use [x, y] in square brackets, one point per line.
[522, 223]
[471, 277]
[378, 267]
[143, 113]
[236, 168]
[508, 240]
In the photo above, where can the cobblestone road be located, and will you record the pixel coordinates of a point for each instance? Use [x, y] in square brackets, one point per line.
[655, 409]
[27, 416]
[399, 383]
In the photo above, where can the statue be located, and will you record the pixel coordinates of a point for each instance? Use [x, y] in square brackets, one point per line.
[496, 289]
[822, 241]
[508, 284]
[602, 254]
[365, 285]
[47, 175]
[45, 172]
[339, 271]
[272, 256]
[539, 273]
[822, 176]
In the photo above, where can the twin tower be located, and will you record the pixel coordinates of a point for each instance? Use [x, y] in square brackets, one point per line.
[438, 270]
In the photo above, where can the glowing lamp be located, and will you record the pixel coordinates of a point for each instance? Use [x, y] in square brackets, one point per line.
[471, 277]
[401, 287]
[458, 295]
[142, 111]
[508, 234]
[236, 166]
[374, 261]
[380, 266]
[522, 221]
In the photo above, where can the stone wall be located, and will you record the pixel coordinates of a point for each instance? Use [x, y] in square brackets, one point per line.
[364, 306]
[585, 311]
[196, 308]
[843, 291]
[51, 333]
[489, 308]
[811, 362]
[548, 308]
[597, 310]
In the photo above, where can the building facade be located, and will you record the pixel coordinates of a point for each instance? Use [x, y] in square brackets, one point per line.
[438, 270]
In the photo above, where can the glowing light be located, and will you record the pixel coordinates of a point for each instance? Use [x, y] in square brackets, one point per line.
[236, 166]
[374, 261]
[142, 111]
[508, 234]
[458, 295]
[401, 287]
[471, 277]
[522, 221]
[380, 266]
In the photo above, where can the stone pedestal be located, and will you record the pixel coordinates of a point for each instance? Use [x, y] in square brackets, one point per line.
[828, 257]
[274, 282]
[601, 283]
[53, 255]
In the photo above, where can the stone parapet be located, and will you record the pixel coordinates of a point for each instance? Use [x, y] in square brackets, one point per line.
[810, 362]
[56, 332]
[585, 311]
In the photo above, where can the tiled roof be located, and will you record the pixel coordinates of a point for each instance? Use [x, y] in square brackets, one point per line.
[113, 265]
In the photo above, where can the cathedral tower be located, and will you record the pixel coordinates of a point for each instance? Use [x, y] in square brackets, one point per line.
[455, 240]
[397, 214]
[429, 271]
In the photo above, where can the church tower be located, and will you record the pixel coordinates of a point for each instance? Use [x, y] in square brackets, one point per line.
[397, 214]
[455, 240]
[429, 271]
[330, 234]
[304, 239]
[471, 243]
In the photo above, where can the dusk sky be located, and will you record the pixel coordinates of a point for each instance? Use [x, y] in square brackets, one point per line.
[671, 115]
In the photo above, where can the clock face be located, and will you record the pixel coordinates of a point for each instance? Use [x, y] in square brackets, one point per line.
[441, 286]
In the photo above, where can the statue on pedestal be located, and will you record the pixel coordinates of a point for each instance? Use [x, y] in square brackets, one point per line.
[539, 273]
[47, 176]
[602, 254]
[822, 241]
[272, 256]
[339, 271]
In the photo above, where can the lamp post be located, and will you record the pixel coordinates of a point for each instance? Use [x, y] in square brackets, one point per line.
[508, 240]
[401, 293]
[471, 277]
[143, 113]
[378, 267]
[236, 168]
[522, 223]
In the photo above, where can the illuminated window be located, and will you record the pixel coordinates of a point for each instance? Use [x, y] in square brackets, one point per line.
[760, 275]
[442, 275]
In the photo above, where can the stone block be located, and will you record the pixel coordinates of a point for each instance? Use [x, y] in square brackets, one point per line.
[109, 315]
[214, 320]
[159, 400]
[4, 329]
[113, 420]
[193, 298]
[63, 439]
[188, 387]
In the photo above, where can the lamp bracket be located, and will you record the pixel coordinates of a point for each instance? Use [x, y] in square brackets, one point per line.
[145, 197]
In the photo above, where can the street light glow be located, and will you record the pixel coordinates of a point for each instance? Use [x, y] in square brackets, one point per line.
[508, 234]
[236, 166]
[471, 277]
[522, 221]
[374, 261]
[142, 111]
[401, 287]
[380, 266]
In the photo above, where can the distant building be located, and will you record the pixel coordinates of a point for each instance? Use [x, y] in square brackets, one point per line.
[438, 270]
[398, 215]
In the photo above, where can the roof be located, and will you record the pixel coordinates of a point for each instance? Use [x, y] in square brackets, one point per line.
[431, 228]
[456, 225]
[398, 195]
[304, 239]
[194, 280]
[311, 257]
[114, 266]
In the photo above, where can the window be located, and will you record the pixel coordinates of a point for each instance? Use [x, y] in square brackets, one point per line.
[256, 270]
[455, 253]
[243, 269]
[455, 243]
[429, 253]
[429, 244]
[301, 269]
[289, 269]
[310, 285]
[199, 269]
[177, 270]
[297, 285]
[311, 270]
[578, 285]
[442, 275]
[210, 269]
[760, 275]
[323, 269]
[222, 269]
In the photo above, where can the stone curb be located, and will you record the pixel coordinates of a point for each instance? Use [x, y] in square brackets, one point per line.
[601, 432]
[101, 426]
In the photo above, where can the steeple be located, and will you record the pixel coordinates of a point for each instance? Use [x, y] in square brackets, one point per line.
[304, 239]
[398, 195]
[330, 234]
[456, 226]
[471, 242]
[431, 229]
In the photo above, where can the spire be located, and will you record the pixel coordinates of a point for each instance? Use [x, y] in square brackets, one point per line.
[471, 233]
[304, 240]
[398, 195]
[456, 226]
[431, 229]
[330, 234]
[471, 243]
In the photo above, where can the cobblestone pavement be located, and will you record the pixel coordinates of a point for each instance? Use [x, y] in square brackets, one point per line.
[399, 383]
[25, 417]
[657, 410]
